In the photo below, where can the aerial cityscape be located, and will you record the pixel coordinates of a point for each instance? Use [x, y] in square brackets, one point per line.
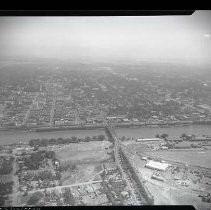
[78, 132]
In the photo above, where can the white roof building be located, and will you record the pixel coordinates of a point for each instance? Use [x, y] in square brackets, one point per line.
[148, 139]
[157, 165]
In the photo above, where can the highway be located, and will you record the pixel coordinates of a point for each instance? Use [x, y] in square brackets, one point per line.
[119, 164]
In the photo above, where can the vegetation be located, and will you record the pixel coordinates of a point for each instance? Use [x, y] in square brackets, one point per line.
[68, 197]
[157, 136]
[183, 136]
[164, 136]
[35, 198]
[66, 166]
[5, 188]
[74, 139]
[2, 200]
[34, 161]
[6, 165]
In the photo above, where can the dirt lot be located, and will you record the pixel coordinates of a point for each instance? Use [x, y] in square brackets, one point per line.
[169, 196]
[87, 157]
[82, 173]
[87, 152]
[164, 193]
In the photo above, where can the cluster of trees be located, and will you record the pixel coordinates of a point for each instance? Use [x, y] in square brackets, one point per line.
[43, 176]
[123, 138]
[33, 162]
[183, 136]
[35, 198]
[2, 200]
[117, 188]
[66, 165]
[162, 136]
[47, 175]
[74, 139]
[6, 166]
[6, 188]
[68, 197]
[107, 191]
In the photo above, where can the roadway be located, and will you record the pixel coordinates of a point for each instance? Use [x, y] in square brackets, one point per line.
[52, 110]
[119, 164]
[15, 194]
[30, 108]
[60, 187]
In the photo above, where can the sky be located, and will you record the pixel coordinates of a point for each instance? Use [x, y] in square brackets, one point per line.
[156, 38]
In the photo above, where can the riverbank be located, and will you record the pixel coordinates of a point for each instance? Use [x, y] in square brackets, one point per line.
[101, 126]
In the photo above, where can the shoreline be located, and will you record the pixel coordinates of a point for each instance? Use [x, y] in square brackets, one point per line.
[102, 126]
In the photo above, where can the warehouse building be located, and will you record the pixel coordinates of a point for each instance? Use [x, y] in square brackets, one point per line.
[157, 165]
[149, 140]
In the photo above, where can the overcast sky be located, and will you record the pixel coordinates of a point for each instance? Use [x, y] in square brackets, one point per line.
[164, 38]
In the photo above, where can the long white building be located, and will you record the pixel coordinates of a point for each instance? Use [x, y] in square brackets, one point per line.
[148, 139]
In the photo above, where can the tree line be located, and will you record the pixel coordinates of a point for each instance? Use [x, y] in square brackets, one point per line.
[73, 139]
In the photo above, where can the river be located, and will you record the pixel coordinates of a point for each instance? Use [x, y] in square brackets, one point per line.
[7, 137]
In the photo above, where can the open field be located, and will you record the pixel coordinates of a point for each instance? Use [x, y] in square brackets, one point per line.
[172, 196]
[87, 152]
[198, 158]
[82, 173]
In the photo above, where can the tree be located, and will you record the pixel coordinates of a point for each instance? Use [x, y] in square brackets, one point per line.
[44, 142]
[58, 175]
[157, 136]
[35, 198]
[33, 142]
[101, 137]
[164, 135]
[94, 138]
[74, 139]
[183, 136]
[73, 167]
[46, 175]
[50, 154]
[87, 138]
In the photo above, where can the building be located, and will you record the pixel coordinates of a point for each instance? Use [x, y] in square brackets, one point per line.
[157, 165]
[157, 177]
[149, 140]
